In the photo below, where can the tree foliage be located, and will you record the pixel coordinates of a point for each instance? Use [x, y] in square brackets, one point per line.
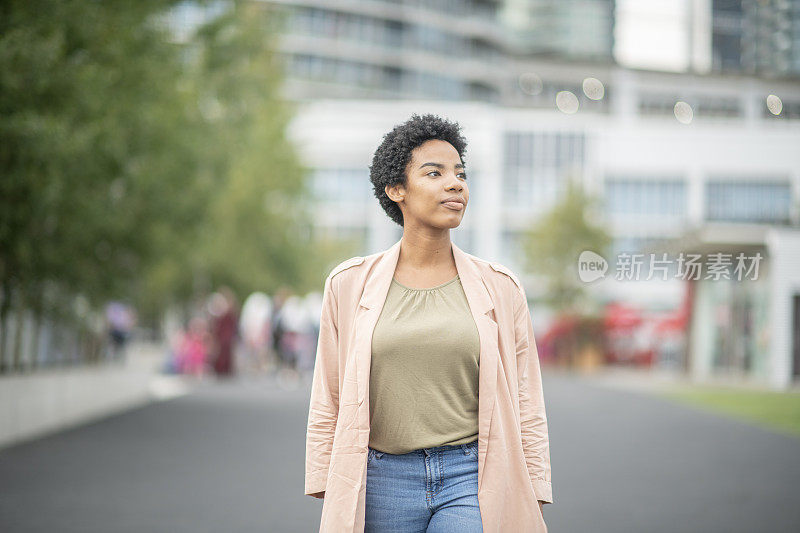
[553, 245]
[139, 166]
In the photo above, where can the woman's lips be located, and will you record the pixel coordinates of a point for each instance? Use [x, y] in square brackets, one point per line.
[455, 206]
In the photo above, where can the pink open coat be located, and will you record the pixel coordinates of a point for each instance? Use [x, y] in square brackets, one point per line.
[513, 442]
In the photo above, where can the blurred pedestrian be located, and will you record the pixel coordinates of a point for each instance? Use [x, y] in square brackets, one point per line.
[225, 326]
[295, 349]
[120, 320]
[194, 347]
[278, 301]
[255, 329]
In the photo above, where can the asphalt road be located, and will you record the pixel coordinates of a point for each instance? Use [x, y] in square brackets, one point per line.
[229, 458]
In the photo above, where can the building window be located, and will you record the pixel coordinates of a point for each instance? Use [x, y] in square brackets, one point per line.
[748, 201]
[714, 106]
[538, 165]
[645, 197]
[657, 104]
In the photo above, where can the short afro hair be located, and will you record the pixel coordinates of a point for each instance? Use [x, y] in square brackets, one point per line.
[394, 154]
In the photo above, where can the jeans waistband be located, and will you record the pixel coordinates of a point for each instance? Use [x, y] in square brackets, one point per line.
[434, 449]
[449, 447]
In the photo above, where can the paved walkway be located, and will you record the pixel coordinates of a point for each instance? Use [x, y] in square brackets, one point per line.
[229, 457]
[625, 460]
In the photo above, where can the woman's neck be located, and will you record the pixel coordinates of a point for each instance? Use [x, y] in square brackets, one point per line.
[425, 253]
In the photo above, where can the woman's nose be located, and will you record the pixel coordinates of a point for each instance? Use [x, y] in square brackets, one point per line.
[455, 184]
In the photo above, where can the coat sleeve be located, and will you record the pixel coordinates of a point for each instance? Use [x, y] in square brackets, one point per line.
[324, 405]
[533, 419]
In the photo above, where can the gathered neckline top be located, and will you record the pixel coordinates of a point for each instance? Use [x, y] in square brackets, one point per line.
[446, 283]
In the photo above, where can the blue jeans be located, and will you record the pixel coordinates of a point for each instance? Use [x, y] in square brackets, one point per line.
[433, 490]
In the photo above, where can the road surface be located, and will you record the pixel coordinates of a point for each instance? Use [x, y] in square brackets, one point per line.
[228, 457]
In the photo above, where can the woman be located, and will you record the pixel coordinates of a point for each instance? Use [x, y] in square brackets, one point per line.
[427, 411]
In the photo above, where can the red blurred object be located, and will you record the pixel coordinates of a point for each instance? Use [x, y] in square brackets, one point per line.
[621, 322]
[573, 340]
[624, 333]
[621, 316]
[561, 327]
[671, 323]
[636, 337]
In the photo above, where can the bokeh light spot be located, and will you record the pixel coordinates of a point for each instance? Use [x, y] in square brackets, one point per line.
[683, 112]
[567, 102]
[593, 88]
[530, 83]
[774, 104]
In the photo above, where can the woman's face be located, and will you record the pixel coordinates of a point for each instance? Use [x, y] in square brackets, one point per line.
[434, 176]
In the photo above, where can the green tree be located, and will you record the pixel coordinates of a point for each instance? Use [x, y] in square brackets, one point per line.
[134, 165]
[552, 247]
[257, 235]
[93, 153]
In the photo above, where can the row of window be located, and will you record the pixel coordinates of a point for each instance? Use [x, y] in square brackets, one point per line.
[728, 201]
[419, 83]
[708, 106]
[725, 200]
[537, 166]
[388, 33]
[391, 79]
[636, 197]
[332, 24]
[704, 106]
[485, 9]
[749, 201]
[313, 67]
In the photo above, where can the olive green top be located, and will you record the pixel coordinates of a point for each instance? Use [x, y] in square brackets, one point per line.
[423, 383]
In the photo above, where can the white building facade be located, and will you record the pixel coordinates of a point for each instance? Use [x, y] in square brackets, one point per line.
[661, 170]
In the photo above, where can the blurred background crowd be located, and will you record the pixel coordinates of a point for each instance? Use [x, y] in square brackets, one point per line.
[274, 336]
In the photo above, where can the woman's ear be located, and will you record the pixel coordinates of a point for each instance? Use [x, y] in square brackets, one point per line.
[395, 192]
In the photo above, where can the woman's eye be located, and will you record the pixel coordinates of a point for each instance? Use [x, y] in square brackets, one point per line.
[461, 175]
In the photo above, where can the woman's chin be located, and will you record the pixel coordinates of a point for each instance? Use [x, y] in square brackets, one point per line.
[450, 224]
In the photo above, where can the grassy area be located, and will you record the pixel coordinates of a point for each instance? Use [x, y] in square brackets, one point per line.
[774, 410]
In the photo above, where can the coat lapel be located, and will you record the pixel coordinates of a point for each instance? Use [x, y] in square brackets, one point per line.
[376, 287]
